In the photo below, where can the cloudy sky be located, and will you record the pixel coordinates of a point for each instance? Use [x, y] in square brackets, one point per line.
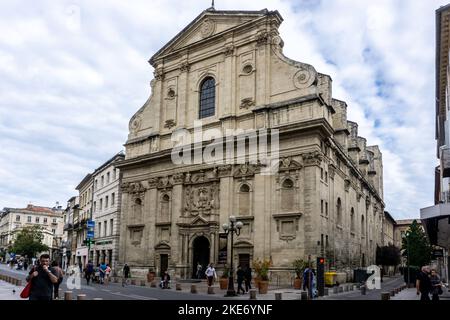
[72, 73]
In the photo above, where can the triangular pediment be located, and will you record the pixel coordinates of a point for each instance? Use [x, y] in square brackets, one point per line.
[208, 24]
[199, 221]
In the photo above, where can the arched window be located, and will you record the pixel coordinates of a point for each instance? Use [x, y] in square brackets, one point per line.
[352, 220]
[137, 209]
[363, 229]
[207, 98]
[165, 209]
[287, 196]
[339, 212]
[244, 200]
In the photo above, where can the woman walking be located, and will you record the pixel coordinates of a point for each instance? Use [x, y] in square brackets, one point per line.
[436, 285]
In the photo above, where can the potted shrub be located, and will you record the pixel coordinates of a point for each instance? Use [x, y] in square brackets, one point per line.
[223, 281]
[262, 270]
[151, 275]
[299, 266]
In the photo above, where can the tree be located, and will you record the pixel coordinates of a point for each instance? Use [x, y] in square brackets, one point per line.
[416, 245]
[29, 242]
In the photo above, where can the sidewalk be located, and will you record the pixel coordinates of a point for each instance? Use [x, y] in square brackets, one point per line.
[411, 294]
[6, 291]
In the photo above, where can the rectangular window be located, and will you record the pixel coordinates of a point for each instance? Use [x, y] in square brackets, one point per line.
[326, 176]
[113, 199]
[95, 184]
[106, 202]
[53, 231]
[103, 181]
[114, 174]
[17, 218]
[45, 220]
[54, 220]
[107, 178]
[321, 173]
[321, 206]
[101, 204]
[105, 228]
[95, 206]
[29, 219]
[326, 208]
[111, 227]
[99, 229]
[37, 220]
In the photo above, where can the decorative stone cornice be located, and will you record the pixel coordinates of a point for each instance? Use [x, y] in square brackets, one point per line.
[185, 67]
[314, 158]
[178, 178]
[229, 50]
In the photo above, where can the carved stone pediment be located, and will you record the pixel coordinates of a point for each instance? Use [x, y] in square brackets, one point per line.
[199, 221]
[163, 245]
[164, 182]
[245, 169]
[314, 158]
[137, 189]
[286, 163]
[202, 199]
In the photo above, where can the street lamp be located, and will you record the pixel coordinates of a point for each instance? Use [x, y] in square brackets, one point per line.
[233, 227]
[406, 236]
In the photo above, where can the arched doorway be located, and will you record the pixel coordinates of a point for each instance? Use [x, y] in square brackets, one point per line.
[200, 255]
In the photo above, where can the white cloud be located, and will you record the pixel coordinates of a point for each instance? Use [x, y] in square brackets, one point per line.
[72, 74]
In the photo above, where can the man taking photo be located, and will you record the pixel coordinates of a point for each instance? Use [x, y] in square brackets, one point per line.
[42, 278]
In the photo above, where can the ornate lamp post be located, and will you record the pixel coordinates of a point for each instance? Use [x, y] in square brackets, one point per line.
[233, 227]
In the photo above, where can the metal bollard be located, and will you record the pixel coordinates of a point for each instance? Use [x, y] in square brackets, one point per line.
[385, 296]
[278, 296]
[81, 297]
[193, 288]
[68, 295]
[178, 286]
[363, 290]
[252, 294]
[210, 290]
[304, 295]
[392, 293]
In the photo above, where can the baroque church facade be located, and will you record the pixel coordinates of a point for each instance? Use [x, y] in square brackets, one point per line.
[227, 68]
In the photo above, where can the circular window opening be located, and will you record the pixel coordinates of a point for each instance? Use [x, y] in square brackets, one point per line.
[247, 69]
[171, 93]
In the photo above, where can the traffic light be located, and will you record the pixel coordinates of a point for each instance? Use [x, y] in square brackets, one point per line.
[321, 276]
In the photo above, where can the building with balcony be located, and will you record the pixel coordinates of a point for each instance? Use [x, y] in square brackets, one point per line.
[106, 211]
[68, 245]
[12, 220]
[80, 218]
[436, 219]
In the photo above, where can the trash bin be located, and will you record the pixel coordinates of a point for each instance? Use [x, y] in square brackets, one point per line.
[330, 278]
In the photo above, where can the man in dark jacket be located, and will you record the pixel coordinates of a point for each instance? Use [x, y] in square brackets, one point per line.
[42, 279]
[248, 278]
[423, 284]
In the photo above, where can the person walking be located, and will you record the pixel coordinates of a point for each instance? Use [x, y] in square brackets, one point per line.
[199, 270]
[248, 278]
[80, 266]
[423, 284]
[102, 270]
[436, 285]
[240, 274]
[126, 274]
[211, 274]
[89, 271]
[42, 278]
[25, 265]
[60, 276]
[107, 273]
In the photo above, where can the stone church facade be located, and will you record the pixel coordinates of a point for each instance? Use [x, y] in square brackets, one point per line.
[227, 68]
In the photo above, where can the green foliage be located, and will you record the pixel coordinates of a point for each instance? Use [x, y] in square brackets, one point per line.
[299, 266]
[28, 242]
[419, 250]
[388, 256]
[261, 268]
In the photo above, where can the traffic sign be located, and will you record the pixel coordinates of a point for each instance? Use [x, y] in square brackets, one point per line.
[90, 234]
[90, 223]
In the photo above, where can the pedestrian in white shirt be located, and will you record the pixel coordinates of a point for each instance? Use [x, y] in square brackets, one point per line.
[211, 274]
